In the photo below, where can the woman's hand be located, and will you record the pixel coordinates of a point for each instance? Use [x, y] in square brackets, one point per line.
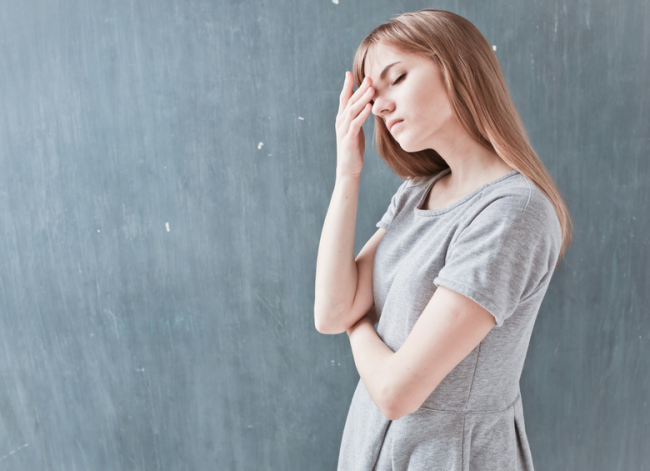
[354, 108]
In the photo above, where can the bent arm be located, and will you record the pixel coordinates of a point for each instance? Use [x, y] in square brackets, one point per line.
[344, 290]
[448, 329]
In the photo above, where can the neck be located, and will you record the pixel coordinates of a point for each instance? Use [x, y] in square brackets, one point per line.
[471, 164]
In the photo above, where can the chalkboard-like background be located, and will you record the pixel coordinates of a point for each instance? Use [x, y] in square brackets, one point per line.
[165, 170]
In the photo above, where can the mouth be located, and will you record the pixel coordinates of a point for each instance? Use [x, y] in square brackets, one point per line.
[392, 125]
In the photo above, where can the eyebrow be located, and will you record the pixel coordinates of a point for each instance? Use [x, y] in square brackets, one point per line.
[385, 71]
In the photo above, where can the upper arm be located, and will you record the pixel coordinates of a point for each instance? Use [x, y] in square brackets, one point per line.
[448, 329]
[364, 298]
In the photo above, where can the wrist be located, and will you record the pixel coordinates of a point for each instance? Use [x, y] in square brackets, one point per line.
[342, 176]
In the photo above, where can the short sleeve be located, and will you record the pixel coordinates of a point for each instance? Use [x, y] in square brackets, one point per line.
[503, 254]
[392, 210]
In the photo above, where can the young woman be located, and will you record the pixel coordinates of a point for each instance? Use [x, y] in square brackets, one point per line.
[455, 274]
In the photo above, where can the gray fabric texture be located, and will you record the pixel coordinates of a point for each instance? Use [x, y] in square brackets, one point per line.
[498, 246]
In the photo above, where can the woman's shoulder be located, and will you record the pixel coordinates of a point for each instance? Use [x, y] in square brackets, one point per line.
[519, 191]
[519, 197]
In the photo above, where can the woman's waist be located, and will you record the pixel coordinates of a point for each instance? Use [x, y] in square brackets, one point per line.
[445, 399]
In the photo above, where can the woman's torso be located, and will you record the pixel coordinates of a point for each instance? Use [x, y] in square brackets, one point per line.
[480, 396]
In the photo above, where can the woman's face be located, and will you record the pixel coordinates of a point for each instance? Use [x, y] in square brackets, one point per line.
[411, 97]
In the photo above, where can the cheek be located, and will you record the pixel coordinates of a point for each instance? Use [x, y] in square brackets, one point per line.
[421, 104]
[437, 109]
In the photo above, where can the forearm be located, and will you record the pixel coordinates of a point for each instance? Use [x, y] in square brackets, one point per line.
[372, 358]
[336, 269]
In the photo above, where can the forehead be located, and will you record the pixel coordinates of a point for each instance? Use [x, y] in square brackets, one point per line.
[380, 55]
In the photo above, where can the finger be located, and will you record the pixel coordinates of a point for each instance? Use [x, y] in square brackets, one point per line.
[346, 93]
[353, 110]
[362, 101]
[357, 122]
[360, 91]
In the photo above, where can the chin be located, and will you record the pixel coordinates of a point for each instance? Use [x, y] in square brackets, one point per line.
[409, 147]
[406, 143]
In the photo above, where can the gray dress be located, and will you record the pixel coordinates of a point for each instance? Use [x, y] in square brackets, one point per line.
[498, 246]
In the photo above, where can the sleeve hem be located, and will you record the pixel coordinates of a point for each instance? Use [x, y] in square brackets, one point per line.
[382, 224]
[473, 295]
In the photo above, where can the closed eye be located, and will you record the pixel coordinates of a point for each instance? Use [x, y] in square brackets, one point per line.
[372, 102]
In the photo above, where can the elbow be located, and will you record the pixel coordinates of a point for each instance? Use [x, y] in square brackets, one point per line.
[326, 323]
[324, 328]
[397, 403]
[391, 403]
[392, 410]
[390, 414]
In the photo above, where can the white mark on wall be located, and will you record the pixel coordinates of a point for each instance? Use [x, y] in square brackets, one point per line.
[167, 226]
[494, 48]
[98, 230]
[301, 118]
[335, 2]
[259, 146]
[114, 318]
[14, 451]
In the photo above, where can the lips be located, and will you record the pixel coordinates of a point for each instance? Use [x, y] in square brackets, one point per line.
[390, 124]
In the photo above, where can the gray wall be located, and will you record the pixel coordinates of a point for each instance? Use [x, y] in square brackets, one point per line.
[165, 170]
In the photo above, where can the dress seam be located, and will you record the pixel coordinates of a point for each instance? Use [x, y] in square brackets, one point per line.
[530, 192]
[462, 445]
[471, 383]
[469, 393]
[383, 443]
[470, 411]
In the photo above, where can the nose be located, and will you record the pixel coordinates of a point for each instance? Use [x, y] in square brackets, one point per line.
[381, 106]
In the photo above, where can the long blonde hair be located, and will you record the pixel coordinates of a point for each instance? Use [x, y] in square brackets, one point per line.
[478, 95]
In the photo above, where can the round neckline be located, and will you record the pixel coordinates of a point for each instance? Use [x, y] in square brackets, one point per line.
[455, 204]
